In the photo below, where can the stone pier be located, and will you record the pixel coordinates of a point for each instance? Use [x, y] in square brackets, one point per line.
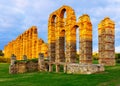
[85, 40]
[106, 32]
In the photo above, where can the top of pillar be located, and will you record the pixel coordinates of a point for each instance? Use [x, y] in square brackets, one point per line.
[106, 22]
[84, 18]
[34, 27]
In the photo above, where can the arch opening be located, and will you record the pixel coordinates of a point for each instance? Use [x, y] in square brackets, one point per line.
[75, 43]
[52, 35]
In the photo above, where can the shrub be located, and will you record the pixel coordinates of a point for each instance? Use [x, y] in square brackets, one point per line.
[118, 61]
[117, 57]
[1, 53]
[4, 60]
[95, 56]
[28, 60]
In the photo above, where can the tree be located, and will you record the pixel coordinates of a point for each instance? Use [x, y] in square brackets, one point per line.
[95, 56]
[117, 56]
[1, 53]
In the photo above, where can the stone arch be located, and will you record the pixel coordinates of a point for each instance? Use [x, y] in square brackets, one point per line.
[69, 11]
[55, 37]
[65, 24]
[52, 22]
[70, 15]
[73, 41]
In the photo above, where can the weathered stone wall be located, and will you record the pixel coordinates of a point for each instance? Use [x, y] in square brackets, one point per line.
[106, 42]
[22, 67]
[85, 40]
[27, 65]
[84, 68]
[42, 65]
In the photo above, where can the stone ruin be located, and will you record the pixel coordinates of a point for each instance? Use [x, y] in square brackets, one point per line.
[106, 33]
[62, 44]
[42, 65]
[27, 44]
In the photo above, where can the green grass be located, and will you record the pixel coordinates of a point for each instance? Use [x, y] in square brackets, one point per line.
[111, 77]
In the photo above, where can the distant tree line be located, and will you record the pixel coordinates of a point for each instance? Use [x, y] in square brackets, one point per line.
[117, 57]
[1, 53]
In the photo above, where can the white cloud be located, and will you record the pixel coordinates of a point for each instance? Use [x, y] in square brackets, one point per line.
[20, 4]
[117, 49]
[113, 1]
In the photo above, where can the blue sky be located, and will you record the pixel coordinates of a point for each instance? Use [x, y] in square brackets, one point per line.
[16, 16]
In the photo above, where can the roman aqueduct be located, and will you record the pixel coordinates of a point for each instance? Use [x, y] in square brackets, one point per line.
[62, 30]
[62, 37]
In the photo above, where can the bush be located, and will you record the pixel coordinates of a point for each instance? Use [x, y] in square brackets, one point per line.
[117, 57]
[28, 60]
[4, 60]
[118, 61]
[1, 53]
[95, 56]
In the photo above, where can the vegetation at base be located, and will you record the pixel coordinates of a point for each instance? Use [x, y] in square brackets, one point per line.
[111, 77]
[61, 68]
[1, 53]
[4, 60]
[95, 56]
[28, 60]
[117, 55]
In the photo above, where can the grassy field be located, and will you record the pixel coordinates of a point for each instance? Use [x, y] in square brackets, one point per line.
[111, 77]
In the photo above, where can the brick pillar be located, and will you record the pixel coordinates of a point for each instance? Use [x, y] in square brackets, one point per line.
[15, 47]
[85, 36]
[24, 57]
[10, 47]
[71, 45]
[57, 68]
[12, 67]
[51, 40]
[18, 48]
[34, 41]
[30, 43]
[39, 45]
[106, 42]
[13, 59]
[70, 40]
[21, 47]
[41, 63]
[60, 42]
[36, 46]
[24, 43]
[27, 43]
